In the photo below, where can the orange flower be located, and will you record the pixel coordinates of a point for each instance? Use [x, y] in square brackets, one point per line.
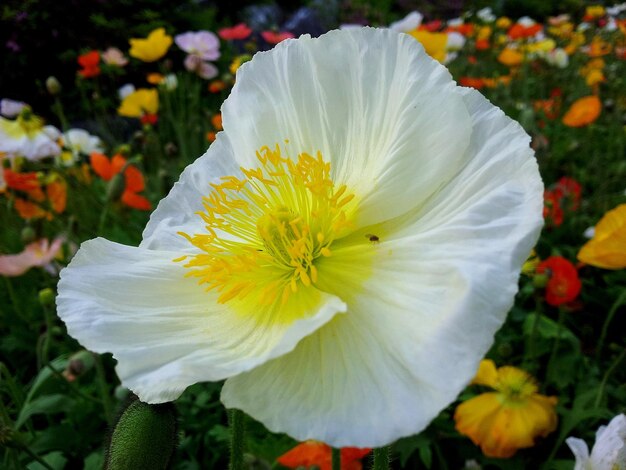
[510, 57]
[482, 44]
[57, 195]
[313, 453]
[607, 248]
[216, 86]
[508, 419]
[29, 210]
[90, 63]
[133, 178]
[473, 82]
[216, 120]
[21, 181]
[583, 111]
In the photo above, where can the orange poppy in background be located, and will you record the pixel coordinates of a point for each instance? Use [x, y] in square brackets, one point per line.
[133, 178]
[510, 57]
[583, 111]
[318, 454]
[90, 63]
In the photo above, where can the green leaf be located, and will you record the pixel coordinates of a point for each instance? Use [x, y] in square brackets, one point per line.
[55, 459]
[46, 404]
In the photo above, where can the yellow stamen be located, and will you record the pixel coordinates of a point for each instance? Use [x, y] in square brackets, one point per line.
[265, 231]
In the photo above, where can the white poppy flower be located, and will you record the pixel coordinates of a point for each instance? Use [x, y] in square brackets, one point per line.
[79, 141]
[27, 137]
[11, 108]
[409, 23]
[352, 241]
[486, 15]
[609, 450]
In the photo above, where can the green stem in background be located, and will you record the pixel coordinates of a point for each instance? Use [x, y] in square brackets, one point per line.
[530, 352]
[236, 420]
[605, 327]
[104, 389]
[103, 217]
[336, 459]
[57, 108]
[605, 379]
[557, 342]
[381, 458]
[14, 301]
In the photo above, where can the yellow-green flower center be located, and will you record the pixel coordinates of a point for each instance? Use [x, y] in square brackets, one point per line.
[27, 124]
[515, 385]
[264, 232]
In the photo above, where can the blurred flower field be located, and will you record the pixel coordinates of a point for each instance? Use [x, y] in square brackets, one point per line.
[115, 140]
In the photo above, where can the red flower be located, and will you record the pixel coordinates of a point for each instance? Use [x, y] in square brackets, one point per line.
[569, 189]
[21, 181]
[273, 37]
[473, 82]
[563, 283]
[311, 453]
[552, 210]
[239, 31]
[518, 31]
[431, 26]
[90, 64]
[466, 29]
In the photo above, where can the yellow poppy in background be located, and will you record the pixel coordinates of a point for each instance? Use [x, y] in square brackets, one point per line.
[151, 48]
[434, 43]
[607, 248]
[508, 419]
[140, 102]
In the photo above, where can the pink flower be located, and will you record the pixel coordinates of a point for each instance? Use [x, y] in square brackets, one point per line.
[205, 70]
[273, 37]
[113, 56]
[203, 44]
[239, 31]
[39, 253]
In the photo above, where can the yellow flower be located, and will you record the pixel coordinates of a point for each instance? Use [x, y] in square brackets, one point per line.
[541, 47]
[607, 248]
[484, 32]
[510, 57]
[503, 22]
[152, 48]
[434, 43]
[531, 263]
[595, 11]
[508, 419]
[140, 102]
[238, 62]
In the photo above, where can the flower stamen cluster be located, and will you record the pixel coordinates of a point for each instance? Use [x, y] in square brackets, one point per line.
[265, 231]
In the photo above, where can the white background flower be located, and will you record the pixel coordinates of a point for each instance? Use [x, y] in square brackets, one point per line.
[609, 450]
[448, 203]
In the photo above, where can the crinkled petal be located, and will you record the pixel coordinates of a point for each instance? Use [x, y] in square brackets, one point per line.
[441, 283]
[378, 108]
[165, 331]
[177, 211]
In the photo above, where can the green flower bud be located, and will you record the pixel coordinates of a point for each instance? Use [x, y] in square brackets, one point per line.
[144, 437]
[79, 363]
[540, 280]
[53, 86]
[28, 235]
[46, 296]
[116, 187]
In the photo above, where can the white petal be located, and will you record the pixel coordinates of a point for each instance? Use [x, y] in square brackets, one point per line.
[441, 284]
[177, 211]
[580, 450]
[164, 330]
[609, 450]
[384, 113]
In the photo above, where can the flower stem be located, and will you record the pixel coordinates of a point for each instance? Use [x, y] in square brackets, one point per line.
[381, 458]
[556, 344]
[336, 459]
[237, 434]
[605, 379]
[605, 327]
[104, 392]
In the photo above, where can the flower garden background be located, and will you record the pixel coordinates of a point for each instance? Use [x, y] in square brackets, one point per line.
[89, 148]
